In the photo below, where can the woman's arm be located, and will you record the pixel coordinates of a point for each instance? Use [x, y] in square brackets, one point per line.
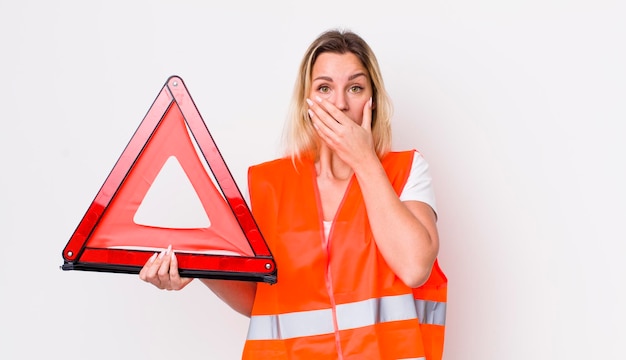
[405, 232]
[239, 295]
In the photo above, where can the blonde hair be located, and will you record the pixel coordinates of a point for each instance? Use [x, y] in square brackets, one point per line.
[299, 137]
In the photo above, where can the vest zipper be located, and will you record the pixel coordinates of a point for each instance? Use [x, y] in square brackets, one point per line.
[328, 276]
[331, 296]
[326, 247]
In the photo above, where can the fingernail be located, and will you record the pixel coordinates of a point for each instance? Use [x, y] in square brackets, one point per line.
[169, 249]
[310, 113]
[153, 257]
[162, 253]
[318, 99]
[308, 101]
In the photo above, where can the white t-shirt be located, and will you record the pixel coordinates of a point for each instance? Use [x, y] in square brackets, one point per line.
[418, 186]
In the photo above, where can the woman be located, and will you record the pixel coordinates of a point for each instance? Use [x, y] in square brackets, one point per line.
[351, 225]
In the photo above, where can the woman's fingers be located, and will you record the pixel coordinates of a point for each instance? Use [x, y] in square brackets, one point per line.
[327, 126]
[143, 274]
[326, 113]
[161, 270]
[176, 282]
[150, 271]
[367, 116]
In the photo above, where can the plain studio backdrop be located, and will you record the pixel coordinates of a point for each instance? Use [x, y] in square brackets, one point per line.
[518, 106]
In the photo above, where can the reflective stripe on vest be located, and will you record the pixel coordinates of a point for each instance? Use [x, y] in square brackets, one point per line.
[349, 316]
[431, 312]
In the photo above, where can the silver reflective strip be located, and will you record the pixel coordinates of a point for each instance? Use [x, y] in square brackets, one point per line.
[431, 312]
[291, 325]
[318, 322]
[374, 311]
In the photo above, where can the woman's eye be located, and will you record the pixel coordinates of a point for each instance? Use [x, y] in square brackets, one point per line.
[324, 89]
[355, 89]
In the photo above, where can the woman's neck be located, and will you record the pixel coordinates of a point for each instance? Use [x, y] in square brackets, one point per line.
[331, 167]
[333, 177]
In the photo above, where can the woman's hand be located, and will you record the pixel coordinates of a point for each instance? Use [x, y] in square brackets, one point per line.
[161, 270]
[350, 139]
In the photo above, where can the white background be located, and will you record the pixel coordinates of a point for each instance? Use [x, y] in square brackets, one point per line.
[518, 106]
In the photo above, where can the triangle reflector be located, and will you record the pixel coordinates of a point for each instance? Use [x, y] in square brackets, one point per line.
[171, 186]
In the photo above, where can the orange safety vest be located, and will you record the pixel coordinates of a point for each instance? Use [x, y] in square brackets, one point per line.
[335, 299]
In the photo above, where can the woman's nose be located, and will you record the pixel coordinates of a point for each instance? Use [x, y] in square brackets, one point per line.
[340, 101]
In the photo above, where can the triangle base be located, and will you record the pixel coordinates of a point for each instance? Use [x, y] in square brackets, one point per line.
[201, 274]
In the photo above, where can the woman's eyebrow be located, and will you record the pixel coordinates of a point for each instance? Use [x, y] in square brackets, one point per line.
[356, 76]
[328, 78]
[325, 78]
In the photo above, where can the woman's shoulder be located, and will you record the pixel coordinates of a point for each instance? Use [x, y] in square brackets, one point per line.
[277, 168]
[412, 159]
[275, 172]
[274, 163]
[399, 155]
[413, 153]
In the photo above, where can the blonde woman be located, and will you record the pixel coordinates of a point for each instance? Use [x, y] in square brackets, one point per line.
[351, 225]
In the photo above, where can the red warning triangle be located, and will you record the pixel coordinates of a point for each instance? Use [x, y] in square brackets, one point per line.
[162, 191]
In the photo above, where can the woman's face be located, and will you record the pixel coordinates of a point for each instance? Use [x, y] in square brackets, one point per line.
[342, 80]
